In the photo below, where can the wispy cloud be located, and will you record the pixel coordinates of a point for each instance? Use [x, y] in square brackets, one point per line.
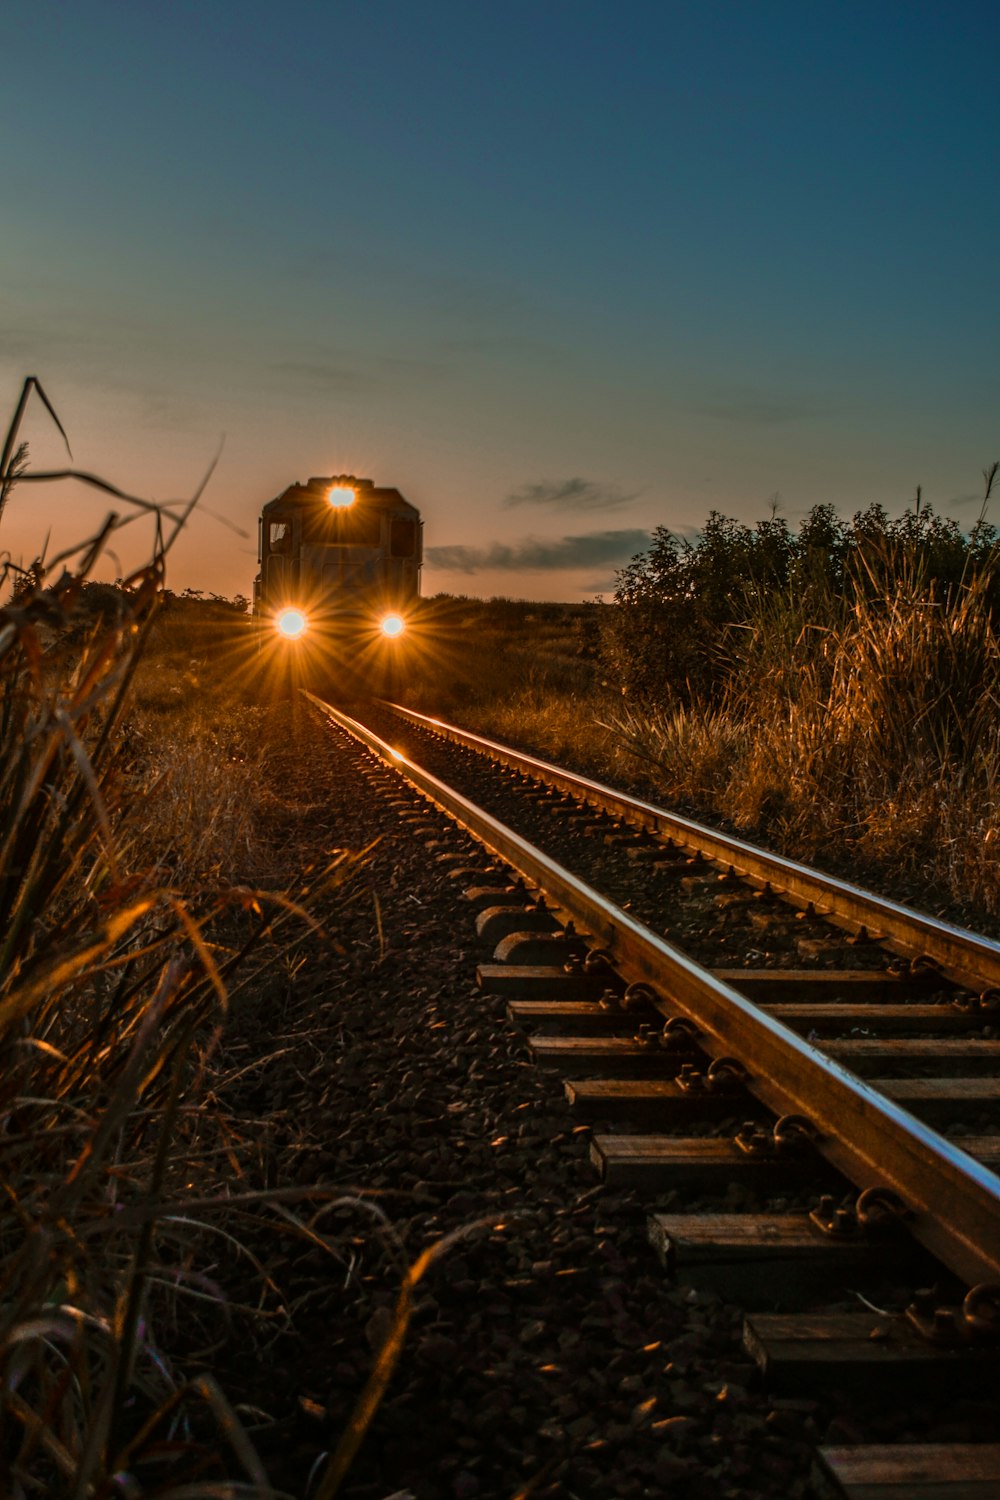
[762, 408]
[316, 376]
[593, 550]
[499, 346]
[963, 502]
[364, 377]
[569, 494]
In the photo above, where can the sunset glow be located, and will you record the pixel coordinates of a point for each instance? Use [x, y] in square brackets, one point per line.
[555, 322]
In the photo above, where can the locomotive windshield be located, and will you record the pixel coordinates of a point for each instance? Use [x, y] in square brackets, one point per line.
[342, 527]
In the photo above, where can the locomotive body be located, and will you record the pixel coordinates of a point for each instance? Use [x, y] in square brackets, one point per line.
[339, 579]
[339, 564]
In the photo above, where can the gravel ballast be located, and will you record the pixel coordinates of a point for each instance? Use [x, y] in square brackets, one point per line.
[547, 1354]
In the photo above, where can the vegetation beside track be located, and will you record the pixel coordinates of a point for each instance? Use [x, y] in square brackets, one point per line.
[148, 885]
[833, 694]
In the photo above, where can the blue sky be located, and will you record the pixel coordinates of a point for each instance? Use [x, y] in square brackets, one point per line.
[561, 272]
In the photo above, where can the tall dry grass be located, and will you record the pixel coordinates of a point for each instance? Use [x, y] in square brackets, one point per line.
[869, 731]
[121, 943]
[852, 716]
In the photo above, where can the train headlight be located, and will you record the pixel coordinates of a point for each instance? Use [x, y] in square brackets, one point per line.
[341, 496]
[392, 625]
[291, 623]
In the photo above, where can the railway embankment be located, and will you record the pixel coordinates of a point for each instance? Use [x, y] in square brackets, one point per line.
[546, 1347]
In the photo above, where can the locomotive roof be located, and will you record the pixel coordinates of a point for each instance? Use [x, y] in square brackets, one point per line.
[381, 497]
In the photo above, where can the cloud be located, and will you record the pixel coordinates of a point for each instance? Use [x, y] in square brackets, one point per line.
[569, 494]
[367, 377]
[315, 376]
[963, 501]
[595, 549]
[758, 408]
[497, 346]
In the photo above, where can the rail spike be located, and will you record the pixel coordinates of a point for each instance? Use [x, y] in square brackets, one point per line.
[976, 1323]
[690, 1080]
[754, 1139]
[985, 1004]
[646, 1036]
[837, 1221]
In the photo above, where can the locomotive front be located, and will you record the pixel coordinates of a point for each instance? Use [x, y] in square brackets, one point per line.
[339, 570]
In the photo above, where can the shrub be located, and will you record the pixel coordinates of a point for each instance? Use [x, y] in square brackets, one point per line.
[674, 632]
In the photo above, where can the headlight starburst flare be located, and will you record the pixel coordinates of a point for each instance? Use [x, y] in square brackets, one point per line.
[291, 623]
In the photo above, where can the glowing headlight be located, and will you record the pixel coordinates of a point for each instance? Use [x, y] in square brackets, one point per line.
[291, 623]
[341, 496]
[392, 625]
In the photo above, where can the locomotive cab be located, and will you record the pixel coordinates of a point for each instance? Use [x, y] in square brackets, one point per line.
[340, 565]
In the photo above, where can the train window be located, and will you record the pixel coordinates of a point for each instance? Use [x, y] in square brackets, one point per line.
[280, 536]
[403, 538]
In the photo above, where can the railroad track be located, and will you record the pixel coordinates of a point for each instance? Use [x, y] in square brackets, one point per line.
[846, 1066]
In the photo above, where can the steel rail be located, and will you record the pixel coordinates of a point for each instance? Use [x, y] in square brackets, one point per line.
[953, 1201]
[966, 957]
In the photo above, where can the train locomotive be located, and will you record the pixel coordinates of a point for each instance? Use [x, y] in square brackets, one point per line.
[339, 581]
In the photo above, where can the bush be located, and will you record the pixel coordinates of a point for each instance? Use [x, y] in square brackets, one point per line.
[838, 690]
[674, 634]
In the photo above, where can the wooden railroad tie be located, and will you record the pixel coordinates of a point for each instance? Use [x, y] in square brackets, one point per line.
[909, 1471]
[860, 1350]
[764, 1260]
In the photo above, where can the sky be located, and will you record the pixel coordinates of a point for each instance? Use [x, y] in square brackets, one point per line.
[559, 270]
